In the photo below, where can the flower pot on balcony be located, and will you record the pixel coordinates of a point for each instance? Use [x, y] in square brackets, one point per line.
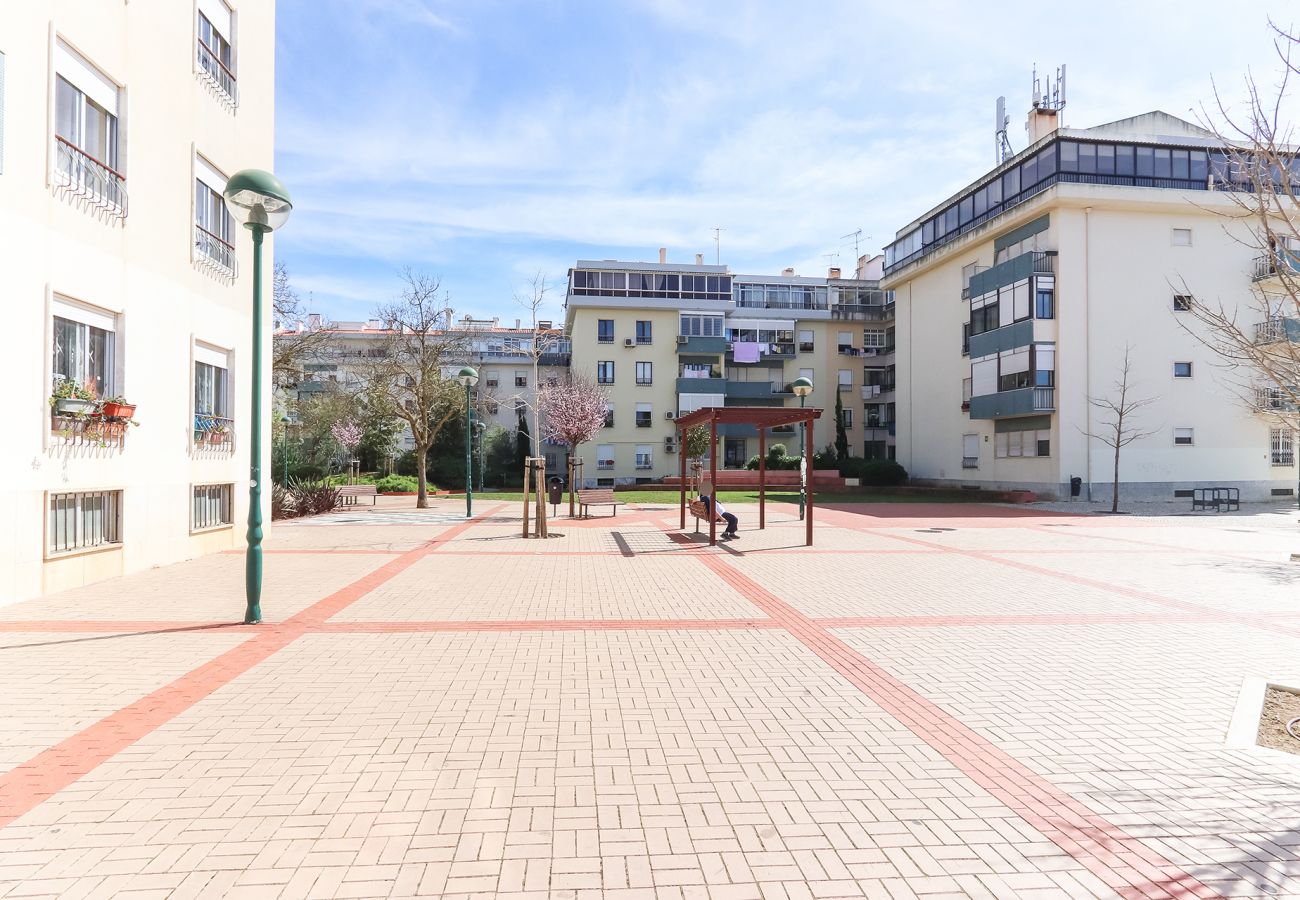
[116, 410]
[73, 406]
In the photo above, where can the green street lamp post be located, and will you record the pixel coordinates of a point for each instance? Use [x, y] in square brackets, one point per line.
[258, 201]
[285, 420]
[469, 378]
[802, 387]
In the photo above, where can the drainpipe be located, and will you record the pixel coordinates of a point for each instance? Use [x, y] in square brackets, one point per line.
[1087, 352]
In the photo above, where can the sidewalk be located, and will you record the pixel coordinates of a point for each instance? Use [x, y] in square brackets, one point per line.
[934, 700]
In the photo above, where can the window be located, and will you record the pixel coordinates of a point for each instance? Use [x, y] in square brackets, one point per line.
[846, 418]
[493, 378]
[1182, 370]
[212, 506]
[1283, 446]
[213, 226]
[1182, 302]
[1029, 443]
[965, 338]
[806, 341]
[604, 456]
[844, 340]
[605, 331]
[492, 406]
[1181, 237]
[86, 143]
[644, 415]
[212, 419]
[521, 378]
[846, 379]
[1183, 436]
[645, 373]
[874, 338]
[644, 456]
[701, 326]
[643, 332]
[609, 417]
[970, 451]
[83, 521]
[1044, 307]
[216, 58]
[605, 372]
[84, 348]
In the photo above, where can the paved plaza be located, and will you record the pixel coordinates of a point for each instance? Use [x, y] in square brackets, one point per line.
[934, 701]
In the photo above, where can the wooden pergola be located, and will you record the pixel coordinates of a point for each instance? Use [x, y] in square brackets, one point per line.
[762, 418]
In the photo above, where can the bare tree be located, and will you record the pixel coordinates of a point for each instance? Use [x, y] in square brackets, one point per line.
[1120, 430]
[1258, 343]
[293, 344]
[405, 377]
[544, 342]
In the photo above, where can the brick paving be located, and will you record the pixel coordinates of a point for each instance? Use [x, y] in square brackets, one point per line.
[934, 701]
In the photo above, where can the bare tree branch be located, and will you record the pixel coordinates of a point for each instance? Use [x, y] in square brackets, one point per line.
[1120, 430]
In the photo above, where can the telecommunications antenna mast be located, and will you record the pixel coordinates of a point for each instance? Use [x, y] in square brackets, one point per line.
[1001, 144]
[857, 236]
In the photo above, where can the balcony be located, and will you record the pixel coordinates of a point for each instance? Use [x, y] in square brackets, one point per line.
[863, 312]
[766, 351]
[1273, 264]
[1007, 404]
[81, 175]
[706, 345]
[1278, 329]
[701, 385]
[1275, 400]
[872, 391]
[213, 432]
[752, 390]
[1008, 337]
[215, 252]
[1035, 262]
[214, 71]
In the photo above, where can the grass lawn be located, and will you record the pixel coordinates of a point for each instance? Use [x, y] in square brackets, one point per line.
[669, 497]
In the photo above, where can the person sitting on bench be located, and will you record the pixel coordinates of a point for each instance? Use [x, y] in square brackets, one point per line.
[730, 518]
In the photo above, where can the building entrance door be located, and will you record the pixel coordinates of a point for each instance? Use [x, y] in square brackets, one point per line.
[734, 453]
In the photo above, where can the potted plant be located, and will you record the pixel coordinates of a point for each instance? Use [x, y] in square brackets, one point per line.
[118, 408]
[70, 398]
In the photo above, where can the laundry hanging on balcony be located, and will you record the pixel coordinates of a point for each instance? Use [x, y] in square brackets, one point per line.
[745, 352]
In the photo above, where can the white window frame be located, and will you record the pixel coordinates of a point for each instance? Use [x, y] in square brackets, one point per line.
[214, 227]
[88, 317]
[645, 456]
[223, 76]
[1183, 431]
[648, 378]
[604, 457]
[82, 173]
[1282, 446]
[222, 495]
[76, 504]
[1176, 237]
[874, 339]
[1182, 362]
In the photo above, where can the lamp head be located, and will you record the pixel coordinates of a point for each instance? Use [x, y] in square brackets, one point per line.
[801, 386]
[467, 377]
[257, 199]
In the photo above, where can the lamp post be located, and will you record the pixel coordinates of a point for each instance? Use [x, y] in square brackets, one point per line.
[257, 200]
[802, 387]
[284, 421]
[469, 378]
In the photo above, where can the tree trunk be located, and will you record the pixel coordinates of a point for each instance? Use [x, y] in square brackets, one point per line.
[422, 496]
[1114, 491]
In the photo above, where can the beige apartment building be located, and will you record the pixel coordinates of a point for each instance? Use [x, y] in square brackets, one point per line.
[667, 338]
[1017, 296]
[119, 123]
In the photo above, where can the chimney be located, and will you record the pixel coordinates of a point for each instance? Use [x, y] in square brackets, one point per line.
[544, 325]
[1043, 120]
[516, 324]
[699, 259]
[788, 270]
[313, 322]
[663, 255]
[833, 272]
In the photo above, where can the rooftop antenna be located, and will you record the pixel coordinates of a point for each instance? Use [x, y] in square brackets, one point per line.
[1051, 95]
[717, 243]
[830, 258]
[857, 237]
[1001, 144]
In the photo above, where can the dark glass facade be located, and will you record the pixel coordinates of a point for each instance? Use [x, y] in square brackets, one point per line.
[660, 285]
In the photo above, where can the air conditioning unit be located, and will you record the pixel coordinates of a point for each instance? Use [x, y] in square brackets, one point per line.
[681, 338]
[629, 342]
[670, 446]
[669, 416]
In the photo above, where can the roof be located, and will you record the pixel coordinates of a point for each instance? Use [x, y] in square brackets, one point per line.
[758, 416]
[1156, 127]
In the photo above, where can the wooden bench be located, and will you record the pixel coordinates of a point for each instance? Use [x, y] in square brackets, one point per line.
[700, 510]
[348, 494]
[604, 497]
[1219, 499]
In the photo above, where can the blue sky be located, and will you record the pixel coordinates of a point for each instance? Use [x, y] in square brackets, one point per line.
[485, 141]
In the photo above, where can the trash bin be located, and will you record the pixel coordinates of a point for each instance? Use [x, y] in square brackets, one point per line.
[556, 489]
[1076, 486]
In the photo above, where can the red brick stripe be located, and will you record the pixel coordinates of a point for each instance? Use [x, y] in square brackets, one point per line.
[1120, 860]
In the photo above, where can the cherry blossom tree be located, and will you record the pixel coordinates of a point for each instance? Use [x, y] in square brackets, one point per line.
[573, 412]
[348, 436]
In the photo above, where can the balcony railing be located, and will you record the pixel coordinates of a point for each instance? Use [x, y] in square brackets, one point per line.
[86, 177]
[970, 462]
[1269, 265]
[1277, 329]
[215, 251]
[213, 431]
[780, 304]
[1035, 262]
[870, 313]
[217, 74]
[1044, 399]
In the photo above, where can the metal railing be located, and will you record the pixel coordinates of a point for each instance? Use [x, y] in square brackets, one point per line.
[873, 312]
[212, 506]
[81, 521]
[86, 177]
[213, 431]
[1044, 399]
[217, 74]
[215, 250]
[970, 462]
[1271, 264]
[1276, 329]
[779, 304]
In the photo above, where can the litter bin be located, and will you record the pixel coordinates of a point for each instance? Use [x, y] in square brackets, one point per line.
[555, 487]
[1076, 486]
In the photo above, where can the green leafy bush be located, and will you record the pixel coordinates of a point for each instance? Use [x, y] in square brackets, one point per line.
[309, 498]
[398, 484]
[874, 472]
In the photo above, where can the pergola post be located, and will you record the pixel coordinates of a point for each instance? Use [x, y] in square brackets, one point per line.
[762, 478]
[713, 479]
[808, 447]
[681, 451]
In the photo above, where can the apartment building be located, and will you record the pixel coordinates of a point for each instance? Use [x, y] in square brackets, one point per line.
[667, 338]
[1018, 295]
[502, 354]
[118, 127]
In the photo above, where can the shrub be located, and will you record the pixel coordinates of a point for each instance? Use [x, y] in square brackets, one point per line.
[279, 503]
[308, 498]
[826, 458]
[880, 472]
[396, 484]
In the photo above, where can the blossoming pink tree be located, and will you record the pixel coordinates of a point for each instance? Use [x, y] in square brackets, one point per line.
[348, 435]
[573, 412]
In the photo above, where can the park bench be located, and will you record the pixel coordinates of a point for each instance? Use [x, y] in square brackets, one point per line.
[1219, 499]
[596, 498]
[348, 494]
[701, 512]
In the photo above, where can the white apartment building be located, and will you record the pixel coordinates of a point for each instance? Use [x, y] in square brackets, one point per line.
[1017, 296]
[669, 338]
[119, 123]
